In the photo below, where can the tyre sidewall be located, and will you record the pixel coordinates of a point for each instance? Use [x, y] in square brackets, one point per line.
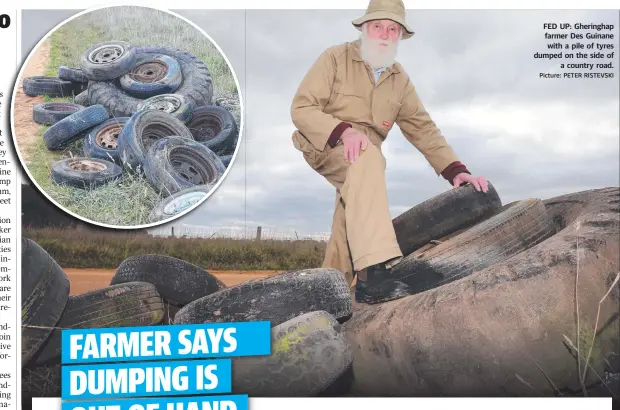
[63, 174]
[162, 175]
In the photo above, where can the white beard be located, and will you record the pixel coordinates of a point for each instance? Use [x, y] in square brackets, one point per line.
[376, 55]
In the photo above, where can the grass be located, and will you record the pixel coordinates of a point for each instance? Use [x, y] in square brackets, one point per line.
[128, 201]
[585, 339]
[121, 203]
[106, 250]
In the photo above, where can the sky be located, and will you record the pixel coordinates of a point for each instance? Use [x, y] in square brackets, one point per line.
[476, 75]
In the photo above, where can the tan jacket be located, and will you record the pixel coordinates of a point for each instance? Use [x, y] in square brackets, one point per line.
[341, 87]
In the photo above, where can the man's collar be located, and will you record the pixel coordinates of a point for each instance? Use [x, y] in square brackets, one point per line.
[357, 56]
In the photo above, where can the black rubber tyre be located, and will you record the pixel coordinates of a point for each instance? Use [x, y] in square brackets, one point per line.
[52, 112]
[40, 381]
[443, 215]
[107, 61]
[174, 164]
[85, 173]
[196, 87]
[512, 229]
[79, 88]
[152, 75]
[49, 86]
[277, 298]
[122, 305]
[517, 311]
[179, 202]
[226, 160]
[82, 99]
[45, 291]
[177, 281]
[173, 104]
[214, 127]
[70, 128]
[102, 141]
[142, 130]
[72, 74]
[309, 353]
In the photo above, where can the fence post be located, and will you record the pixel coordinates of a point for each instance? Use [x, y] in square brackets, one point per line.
[172, 231]
[258, 233]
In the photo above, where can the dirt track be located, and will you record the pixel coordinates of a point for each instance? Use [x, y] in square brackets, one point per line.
[25, 128]
[84, 280]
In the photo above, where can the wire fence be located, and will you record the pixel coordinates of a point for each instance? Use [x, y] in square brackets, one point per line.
[262, 233]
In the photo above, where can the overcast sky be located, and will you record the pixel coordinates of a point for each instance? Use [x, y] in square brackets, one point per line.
[476, 75]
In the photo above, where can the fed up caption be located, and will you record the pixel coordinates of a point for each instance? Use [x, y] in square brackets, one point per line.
[580, 50]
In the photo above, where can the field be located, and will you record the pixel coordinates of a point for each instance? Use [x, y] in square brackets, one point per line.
[106, 250]
[128, 201]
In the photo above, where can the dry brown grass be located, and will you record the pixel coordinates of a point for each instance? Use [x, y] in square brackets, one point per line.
[106, 250]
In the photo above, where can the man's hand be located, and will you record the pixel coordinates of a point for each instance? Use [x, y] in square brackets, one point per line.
[480, 183]
[354, 143]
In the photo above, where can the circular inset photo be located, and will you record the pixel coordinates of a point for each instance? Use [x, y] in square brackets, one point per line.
[126, 117]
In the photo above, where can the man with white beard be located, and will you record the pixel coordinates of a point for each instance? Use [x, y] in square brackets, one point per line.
[343, 110]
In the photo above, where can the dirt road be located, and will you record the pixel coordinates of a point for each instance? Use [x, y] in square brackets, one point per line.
[84, 280]
[25, 128]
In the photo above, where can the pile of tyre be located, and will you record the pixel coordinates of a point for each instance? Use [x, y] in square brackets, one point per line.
[487, 294]
[144, 110]
[310, 354]
[322, 343]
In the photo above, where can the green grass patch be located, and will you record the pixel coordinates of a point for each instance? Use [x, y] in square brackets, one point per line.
[107, 249]
[128, 201]
[102, 205]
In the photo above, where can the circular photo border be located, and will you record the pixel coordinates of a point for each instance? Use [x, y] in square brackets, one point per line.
[146, 225]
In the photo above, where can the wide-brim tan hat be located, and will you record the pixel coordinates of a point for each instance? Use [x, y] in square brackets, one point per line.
[385, 10]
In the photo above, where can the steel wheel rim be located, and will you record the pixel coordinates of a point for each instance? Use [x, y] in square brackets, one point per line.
[183, 203]
[167, 104]
[86, 165]
[106, 54]
[107, 137]
[188, 165]
[149, 72]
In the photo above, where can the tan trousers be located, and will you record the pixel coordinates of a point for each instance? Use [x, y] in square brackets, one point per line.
[362, 231]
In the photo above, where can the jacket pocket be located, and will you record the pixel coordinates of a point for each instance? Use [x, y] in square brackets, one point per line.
[302, 144]
[385, 115]
[349, 104]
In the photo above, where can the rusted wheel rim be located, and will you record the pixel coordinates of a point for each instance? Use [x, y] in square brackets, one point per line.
[107, 137]
[167, 104]
[87, 165]
[106, 54]
[149, 72]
